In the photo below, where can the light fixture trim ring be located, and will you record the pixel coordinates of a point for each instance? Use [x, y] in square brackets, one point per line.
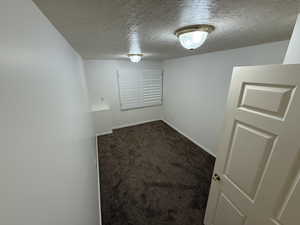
[131, 54]
[201, 27]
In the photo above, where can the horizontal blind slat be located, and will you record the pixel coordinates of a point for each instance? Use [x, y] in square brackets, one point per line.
[139, 88]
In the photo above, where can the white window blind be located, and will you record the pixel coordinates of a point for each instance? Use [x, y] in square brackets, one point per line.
[139, 88]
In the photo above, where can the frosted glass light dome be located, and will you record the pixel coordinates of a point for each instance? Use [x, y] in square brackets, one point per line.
[193, 40]
[135, 58]
[192, 37]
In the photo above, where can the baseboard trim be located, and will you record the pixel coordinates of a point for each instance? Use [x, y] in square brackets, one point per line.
[134, 124]
[104, 133]
[126, 125]
[98, 182]
[191, 139]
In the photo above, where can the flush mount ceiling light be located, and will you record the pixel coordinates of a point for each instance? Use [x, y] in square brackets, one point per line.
[135, 58]
[192, 37]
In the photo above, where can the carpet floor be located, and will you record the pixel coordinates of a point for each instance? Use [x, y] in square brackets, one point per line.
[152, 175]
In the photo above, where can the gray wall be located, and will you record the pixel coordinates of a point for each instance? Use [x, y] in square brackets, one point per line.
[102, 81]
[195, 88]
[293, 53]
[47, 148]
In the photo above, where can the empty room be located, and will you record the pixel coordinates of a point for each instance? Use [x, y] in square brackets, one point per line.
[149, 112]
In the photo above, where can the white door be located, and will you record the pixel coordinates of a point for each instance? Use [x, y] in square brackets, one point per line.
[257, 172]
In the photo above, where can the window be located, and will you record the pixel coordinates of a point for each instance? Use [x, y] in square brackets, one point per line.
[139, 88]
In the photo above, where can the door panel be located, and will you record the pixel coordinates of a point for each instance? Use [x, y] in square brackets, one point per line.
[225, 208]
[245, 139]
[288, 209]
[268, 99]
[259, 153]
[290, 212]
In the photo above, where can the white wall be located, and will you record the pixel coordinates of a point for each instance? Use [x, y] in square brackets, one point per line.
[47, 151]
[101, 78]
[293, 53]
[195, 88]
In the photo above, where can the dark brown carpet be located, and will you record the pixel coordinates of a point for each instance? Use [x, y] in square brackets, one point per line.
[152, 175]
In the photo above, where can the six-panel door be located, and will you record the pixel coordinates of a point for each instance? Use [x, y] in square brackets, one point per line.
[259, 154]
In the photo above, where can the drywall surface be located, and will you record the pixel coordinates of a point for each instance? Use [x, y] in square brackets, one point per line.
[101, 76]
[47, 149]
[195, 89]
[102, 29]
[293, 53]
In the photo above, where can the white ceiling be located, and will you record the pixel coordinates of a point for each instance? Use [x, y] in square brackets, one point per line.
[109, 29]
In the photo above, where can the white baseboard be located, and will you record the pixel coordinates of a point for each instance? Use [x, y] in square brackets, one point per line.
[134, 124]
[126, 125]
[191, 139]
[104, 133]
[98, 180]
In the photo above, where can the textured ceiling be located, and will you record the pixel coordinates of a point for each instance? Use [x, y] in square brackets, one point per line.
[109, 29]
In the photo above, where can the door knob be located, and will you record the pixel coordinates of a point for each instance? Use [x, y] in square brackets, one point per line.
[216, 177]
